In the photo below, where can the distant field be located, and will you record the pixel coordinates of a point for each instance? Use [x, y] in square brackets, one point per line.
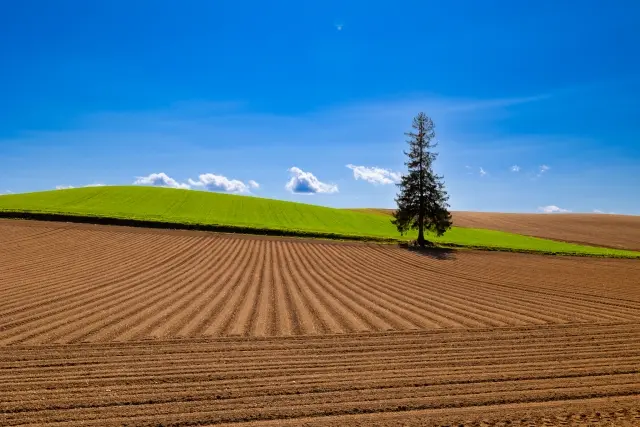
[223, 212]
[614, 231]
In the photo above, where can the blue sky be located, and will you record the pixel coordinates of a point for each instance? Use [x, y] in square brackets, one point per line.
[285, 99]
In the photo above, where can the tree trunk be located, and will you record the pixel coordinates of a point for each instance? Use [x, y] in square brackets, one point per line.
[421, 211]
[421, 229]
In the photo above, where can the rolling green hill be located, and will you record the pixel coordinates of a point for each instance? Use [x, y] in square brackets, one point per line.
[224, 212]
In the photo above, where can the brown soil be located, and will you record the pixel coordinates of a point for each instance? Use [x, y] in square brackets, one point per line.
[611, 231]
[118, 326]
[615, 231]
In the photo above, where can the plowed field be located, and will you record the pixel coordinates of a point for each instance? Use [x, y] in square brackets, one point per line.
[614, 231]
[118, 326]
[610, 231]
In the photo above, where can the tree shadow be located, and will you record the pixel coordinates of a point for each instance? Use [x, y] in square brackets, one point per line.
[431, 251]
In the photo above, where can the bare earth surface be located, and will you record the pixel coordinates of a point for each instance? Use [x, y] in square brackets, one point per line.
[615, 231]
[118, 326]
[612, 231]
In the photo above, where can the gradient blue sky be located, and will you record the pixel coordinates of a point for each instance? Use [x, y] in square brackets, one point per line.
[108, 91]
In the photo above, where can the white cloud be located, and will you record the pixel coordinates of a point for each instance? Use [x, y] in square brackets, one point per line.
[68, 187]
[597, 211]
[6, 192]
[306, 183]
[375, 175]
[158, 180]
[542, 170]
[206, 181]
[482, 172]
[515, 168]
[213, 182]
[552, 209]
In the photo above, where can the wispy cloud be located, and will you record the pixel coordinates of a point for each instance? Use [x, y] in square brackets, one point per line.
[349, 124]
[552, 209]
[542, 169]
[220, 183]
[598, 211]
[375, 175]
[515, 168]
[302, 182]
[68, 187]
[462, 105]
[481, 171]
[6, 192]
[160, 180]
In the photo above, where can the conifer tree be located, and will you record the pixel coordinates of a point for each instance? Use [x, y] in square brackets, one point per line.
[422, 200]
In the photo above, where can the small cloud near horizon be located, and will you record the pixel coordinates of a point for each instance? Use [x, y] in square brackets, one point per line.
[220, 183]
[515, 168]
[302, 182]
[375, 175]
[206, 181]
[552, 209]
[68, 187]
[160, 180]
[482, 172]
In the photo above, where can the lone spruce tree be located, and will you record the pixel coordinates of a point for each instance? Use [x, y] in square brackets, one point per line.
[422, 201]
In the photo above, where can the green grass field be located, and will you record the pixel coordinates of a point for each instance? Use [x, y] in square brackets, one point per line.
[253, 214]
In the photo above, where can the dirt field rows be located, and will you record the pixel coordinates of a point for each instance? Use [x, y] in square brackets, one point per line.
[115, 326]
[614, 231]
[77, 284]
[611, 231]
[528, 376]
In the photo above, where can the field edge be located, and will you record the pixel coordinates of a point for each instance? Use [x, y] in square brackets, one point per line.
[278, 232]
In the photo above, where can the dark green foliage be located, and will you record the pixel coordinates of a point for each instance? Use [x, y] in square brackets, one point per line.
[422, 201]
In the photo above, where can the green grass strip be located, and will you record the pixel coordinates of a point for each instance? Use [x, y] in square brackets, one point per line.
[199, 210]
